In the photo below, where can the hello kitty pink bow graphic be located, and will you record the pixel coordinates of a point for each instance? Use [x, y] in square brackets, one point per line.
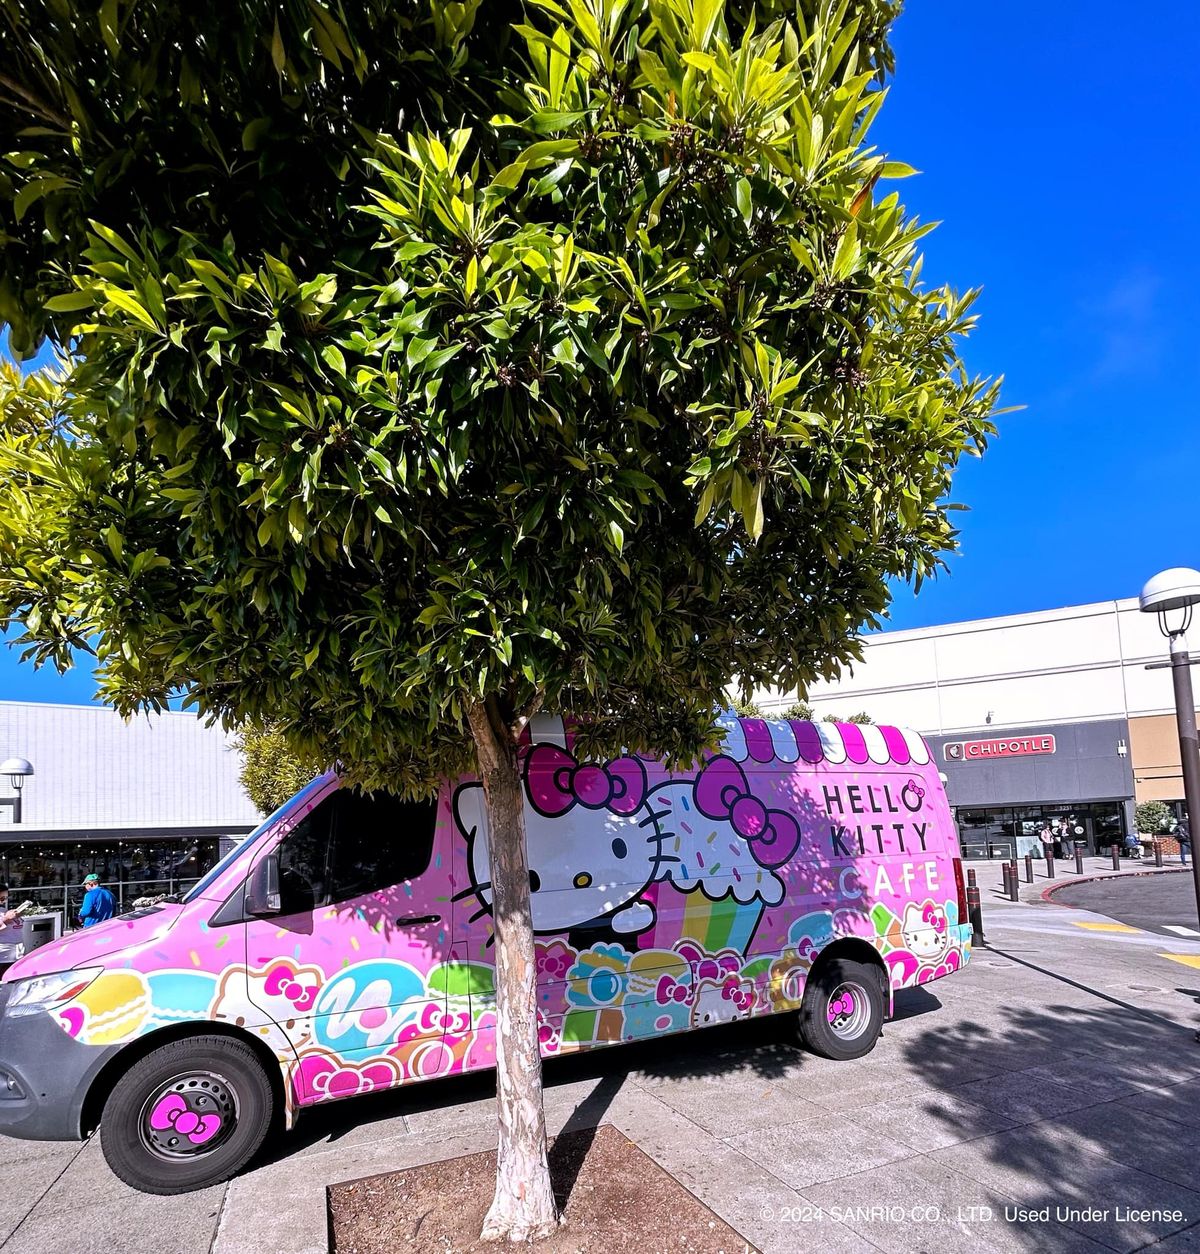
[934, 917]
[723, 793]
[556, 782]
[171, 1113]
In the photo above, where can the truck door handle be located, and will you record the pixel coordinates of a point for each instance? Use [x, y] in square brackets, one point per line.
[413, 920]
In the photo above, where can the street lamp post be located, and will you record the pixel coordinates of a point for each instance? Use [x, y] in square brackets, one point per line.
[17, 769]
[1171, 594]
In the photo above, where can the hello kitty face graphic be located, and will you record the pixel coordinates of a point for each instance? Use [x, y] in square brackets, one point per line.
[924, 929]
[285, 990]
[592, 849]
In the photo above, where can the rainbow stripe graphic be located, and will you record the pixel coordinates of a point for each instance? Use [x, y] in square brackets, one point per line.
[723, 924]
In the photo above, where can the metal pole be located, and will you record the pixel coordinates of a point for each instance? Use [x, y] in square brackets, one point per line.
[1116, 857]
[1014, 882]
[1049, 863]
[975, 913]
[1029, 868]
[1189, 753]
[1158, 853]
[1078, 859]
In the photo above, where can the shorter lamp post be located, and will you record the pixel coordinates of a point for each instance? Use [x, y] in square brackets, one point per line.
[17, 769]
[1171, 594]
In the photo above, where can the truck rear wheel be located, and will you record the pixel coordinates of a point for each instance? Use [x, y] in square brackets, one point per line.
[841, 1015]
[189, 1115]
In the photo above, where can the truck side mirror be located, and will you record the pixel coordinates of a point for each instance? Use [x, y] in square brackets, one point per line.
[262, 892]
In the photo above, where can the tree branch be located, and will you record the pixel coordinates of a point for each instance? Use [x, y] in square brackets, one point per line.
[33, 104]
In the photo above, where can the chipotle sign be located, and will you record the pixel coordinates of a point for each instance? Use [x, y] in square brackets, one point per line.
[1001, 747]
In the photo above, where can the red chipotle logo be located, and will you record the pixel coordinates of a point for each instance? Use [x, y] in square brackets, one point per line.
[1009, 747]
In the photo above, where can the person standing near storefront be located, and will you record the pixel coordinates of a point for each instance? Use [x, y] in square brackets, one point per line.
[11, 934]
[1183, 834]
[98, 903]
[1046, 836]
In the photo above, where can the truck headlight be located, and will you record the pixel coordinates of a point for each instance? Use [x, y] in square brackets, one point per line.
[45, 992]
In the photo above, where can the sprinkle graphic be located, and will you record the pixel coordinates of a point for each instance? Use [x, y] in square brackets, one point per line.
[222, 941]
[687, 828]
[700, 858]
[354, 942]
[684, 800]
[195, 957]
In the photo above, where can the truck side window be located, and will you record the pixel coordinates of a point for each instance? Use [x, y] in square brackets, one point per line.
[303, 855]
[378, 841]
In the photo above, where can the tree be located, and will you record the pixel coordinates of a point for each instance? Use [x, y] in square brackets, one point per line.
[746, 709]
[1152, 817]
[271, 772]
[433, 365]
[801, 711]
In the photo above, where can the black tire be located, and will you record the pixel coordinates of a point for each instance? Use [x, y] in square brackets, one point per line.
[157, 1129]
[831, 1025]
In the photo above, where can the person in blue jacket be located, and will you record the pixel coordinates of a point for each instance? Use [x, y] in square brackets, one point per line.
[98, 903]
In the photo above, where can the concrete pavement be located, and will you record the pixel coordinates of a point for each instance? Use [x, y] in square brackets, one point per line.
[1041, 1099]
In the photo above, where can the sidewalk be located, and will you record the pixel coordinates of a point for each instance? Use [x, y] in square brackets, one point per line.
[989, 875]
[1057, 1071]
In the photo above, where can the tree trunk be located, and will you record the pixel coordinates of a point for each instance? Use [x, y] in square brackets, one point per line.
[523, 1208]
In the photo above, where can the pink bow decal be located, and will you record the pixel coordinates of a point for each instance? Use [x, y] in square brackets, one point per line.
[844, 1005]
[555, 782]
[741, 996]
[934, 917]
[281, 982]
[669, 990]
[172, 1112]
[722, 793]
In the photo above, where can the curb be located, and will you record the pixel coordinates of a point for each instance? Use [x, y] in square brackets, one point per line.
[1047, 894]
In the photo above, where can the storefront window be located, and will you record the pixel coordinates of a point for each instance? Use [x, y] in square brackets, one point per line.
[51, 875]
[1013, 831]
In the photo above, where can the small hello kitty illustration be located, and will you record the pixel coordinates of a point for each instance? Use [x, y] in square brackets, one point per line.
[924, 930]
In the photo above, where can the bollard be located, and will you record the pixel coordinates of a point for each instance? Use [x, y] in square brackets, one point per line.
[972, 882]
[1078, 859]
[1004, 877]
[1049, 865]
[1014, 882]
[1116, 855]
[1158, 853]
[1029, 868]
[975, 913]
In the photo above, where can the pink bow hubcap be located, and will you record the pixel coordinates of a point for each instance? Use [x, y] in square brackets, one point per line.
[849, 1011]
[189, 1116]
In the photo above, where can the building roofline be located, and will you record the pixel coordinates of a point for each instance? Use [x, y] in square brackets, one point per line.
[1090, 609]
[98, 707]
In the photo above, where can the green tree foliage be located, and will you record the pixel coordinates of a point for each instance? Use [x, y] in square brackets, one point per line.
[1152, 817]
[432, 364]
[623, 388]
[271, 772]
[746, 709]
[799, 710]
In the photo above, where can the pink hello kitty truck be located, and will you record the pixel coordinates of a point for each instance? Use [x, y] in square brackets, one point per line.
[346, 946]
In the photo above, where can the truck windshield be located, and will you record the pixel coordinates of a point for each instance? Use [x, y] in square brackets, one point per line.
[198, 889]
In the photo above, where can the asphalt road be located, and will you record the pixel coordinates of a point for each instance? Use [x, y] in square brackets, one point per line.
[1158, 903]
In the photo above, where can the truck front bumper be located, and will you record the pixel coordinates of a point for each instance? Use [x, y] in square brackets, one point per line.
[44, 1076]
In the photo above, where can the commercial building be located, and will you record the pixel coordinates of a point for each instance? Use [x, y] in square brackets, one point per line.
[146, 804]
[1049, 718]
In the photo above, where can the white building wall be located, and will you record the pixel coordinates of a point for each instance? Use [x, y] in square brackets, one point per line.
[93, 768]
[1075, 664]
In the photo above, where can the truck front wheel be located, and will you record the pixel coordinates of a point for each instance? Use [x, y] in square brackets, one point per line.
[191, 1114]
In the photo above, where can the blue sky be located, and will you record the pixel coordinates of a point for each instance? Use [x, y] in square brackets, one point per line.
[1055, 148]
